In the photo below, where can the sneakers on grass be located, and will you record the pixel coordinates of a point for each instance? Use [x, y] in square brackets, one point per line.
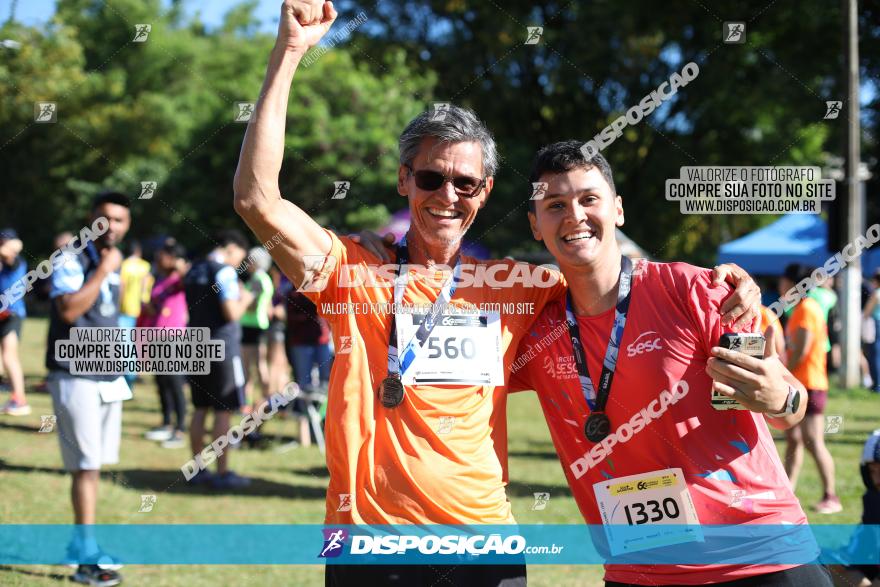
[176, 440]
[95, 575]
[160, 433]
[829, 505]
[16, 408]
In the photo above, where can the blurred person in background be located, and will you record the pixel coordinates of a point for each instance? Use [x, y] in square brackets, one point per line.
[806, 340]
[255, 326]
[773, 333]
[12, 269]
[308, 348]
[826, 296]
[216, 300]
[134, 290]
[871, 312]
[279, 368]
[88, 408]
[167, 309]
[864, 540]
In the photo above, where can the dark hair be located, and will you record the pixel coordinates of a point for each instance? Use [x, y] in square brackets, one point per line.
[565, 156]
[232, 237]
[876, 276]
[171, 247]
[795, 272]
[110, 198]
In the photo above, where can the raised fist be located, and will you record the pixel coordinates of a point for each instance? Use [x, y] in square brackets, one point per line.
[303, 23]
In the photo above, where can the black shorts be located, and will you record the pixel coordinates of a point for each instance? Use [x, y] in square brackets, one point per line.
[802, 576]
[222, 389]
[418, 575]
[252, 335]
[11, 324]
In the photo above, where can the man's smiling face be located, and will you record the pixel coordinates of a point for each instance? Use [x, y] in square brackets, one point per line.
[442, 216]
[577, 216]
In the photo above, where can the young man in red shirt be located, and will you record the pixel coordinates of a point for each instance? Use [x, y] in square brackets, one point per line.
[624, 366]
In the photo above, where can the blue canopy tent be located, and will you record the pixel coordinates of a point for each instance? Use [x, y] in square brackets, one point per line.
[794, 238]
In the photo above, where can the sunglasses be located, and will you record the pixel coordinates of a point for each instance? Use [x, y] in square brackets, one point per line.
[464, 185]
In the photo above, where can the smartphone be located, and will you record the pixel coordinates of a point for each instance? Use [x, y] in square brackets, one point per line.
[750, 344]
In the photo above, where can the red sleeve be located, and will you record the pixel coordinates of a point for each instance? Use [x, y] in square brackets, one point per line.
[520, 369]
[704, 304]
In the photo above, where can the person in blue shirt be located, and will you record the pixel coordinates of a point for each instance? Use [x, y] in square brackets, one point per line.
[217, 300]
[88, 408]
[12, 269]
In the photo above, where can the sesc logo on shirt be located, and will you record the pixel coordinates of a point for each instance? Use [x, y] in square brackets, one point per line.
[645, 343]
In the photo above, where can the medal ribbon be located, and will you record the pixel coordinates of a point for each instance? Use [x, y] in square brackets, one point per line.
[595, 401]
[400, 362]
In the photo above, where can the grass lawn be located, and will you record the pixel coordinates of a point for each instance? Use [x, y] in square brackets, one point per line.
[289, 487]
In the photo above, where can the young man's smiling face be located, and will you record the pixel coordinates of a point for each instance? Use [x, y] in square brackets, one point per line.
[577, 216]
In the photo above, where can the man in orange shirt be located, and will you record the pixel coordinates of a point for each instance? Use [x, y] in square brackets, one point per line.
[416, 417]
[806, 335]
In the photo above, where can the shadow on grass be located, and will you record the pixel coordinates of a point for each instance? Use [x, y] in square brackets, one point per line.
[533, 454]
[161, 481]
[20, 427]
[32, 573]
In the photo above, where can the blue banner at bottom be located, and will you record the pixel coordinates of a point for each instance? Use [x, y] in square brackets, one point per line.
[456, 545]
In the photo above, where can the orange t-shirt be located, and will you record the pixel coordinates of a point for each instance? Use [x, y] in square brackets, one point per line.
[811, 371]
[392, 465]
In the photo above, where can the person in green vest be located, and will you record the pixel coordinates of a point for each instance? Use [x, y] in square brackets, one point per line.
[255, 324]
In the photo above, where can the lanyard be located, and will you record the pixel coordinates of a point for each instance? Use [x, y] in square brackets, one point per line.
[400, 362]
[597, 401]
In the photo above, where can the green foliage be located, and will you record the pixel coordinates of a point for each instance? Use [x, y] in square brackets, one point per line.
[761, 103]
[163, 110]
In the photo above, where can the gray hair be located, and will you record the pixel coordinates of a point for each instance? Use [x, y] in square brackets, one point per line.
[452, 124]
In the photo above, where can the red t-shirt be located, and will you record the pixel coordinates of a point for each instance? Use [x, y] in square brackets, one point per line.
[731, 466]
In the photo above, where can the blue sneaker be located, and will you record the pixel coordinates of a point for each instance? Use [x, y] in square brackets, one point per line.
[202, 478]
[229, 480]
